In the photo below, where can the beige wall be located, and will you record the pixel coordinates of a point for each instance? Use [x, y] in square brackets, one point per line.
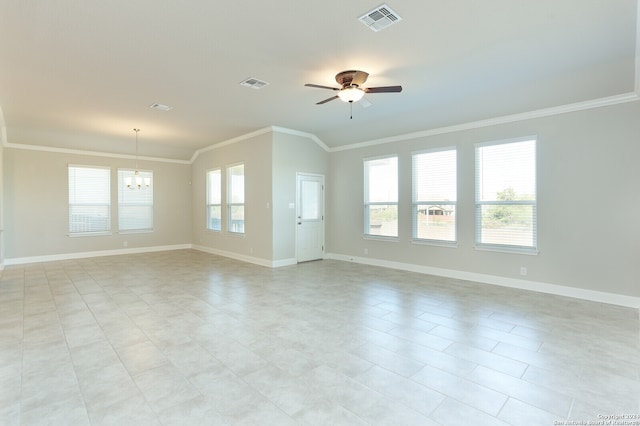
[588, 202]
[36, 205]
[1, 198]
[256, 243]
[292, 154]
[271, 160]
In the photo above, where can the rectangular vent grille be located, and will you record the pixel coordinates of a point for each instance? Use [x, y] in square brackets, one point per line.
[253, 83]
[161, 107]
[380, 18]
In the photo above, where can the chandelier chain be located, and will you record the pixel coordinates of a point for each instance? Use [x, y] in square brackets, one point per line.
[136, 130]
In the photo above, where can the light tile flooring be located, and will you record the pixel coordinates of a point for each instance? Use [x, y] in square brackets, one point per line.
[187, 338]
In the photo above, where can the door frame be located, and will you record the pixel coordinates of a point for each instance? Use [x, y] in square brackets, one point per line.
[298, 212]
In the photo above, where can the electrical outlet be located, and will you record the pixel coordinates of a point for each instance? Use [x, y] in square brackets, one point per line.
[366, 251]
[523, 271]
[125, 244]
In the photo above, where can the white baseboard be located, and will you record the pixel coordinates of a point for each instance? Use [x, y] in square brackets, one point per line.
[249, 259]
[83, 255]
[87, 254]
[559, 290]
[284, 262]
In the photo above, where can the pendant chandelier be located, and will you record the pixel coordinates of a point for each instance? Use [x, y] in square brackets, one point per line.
[137, 182]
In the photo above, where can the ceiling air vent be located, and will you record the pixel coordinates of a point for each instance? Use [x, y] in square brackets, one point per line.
[161, 107]
[253, 83]
[380, 18]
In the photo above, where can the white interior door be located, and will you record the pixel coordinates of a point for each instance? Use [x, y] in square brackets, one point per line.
[310, 217]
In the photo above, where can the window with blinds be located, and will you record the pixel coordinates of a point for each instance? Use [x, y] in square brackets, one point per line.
[135, 205]
[235, 199]
[506, 206]
[434, 195]
[214, 200]
[381, 197]
[89, 200]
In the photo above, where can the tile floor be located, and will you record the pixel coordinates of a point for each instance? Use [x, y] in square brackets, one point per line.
[187, 338]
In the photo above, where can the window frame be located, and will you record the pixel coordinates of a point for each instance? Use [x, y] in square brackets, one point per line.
[367, 203]
[415, 202]
[105, 231]
[509, 248]
[229, 198]
[209, 204]
[122, 174]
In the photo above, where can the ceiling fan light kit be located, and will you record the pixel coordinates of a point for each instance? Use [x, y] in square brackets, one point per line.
[352, 90]
[351, 94]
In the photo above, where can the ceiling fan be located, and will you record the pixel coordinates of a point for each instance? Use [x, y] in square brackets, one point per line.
[352, 90]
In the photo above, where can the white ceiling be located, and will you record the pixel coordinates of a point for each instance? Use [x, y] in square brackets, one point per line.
[82, 74]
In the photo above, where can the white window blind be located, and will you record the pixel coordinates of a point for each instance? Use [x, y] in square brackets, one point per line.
[89, 200]
[435, 195]
[235, 198]
[381, 197]
[135, 205]
[506, 207]
[214, 200]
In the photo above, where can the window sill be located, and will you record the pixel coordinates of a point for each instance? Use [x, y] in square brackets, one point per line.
[508, 249]
[88, 234]
[436, 243]
[235, 234]
[381, 238]
[136, 231]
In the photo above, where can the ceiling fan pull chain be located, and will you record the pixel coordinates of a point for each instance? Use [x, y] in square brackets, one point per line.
[350, 110]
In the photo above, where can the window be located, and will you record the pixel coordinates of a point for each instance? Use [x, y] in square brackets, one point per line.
[214, 200]
[506, 195]
[235, 198]
[89, 200]
[381, 197]
[434, 195]
[135, 205]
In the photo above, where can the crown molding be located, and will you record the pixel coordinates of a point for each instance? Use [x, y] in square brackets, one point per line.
[546, 112]
[230, 142]
[302, 134]
[274, 129]
[83, 152]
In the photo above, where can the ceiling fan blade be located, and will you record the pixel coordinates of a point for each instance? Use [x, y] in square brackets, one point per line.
[321, 87]
[386, 89]
[327, 100]
[359, 78]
